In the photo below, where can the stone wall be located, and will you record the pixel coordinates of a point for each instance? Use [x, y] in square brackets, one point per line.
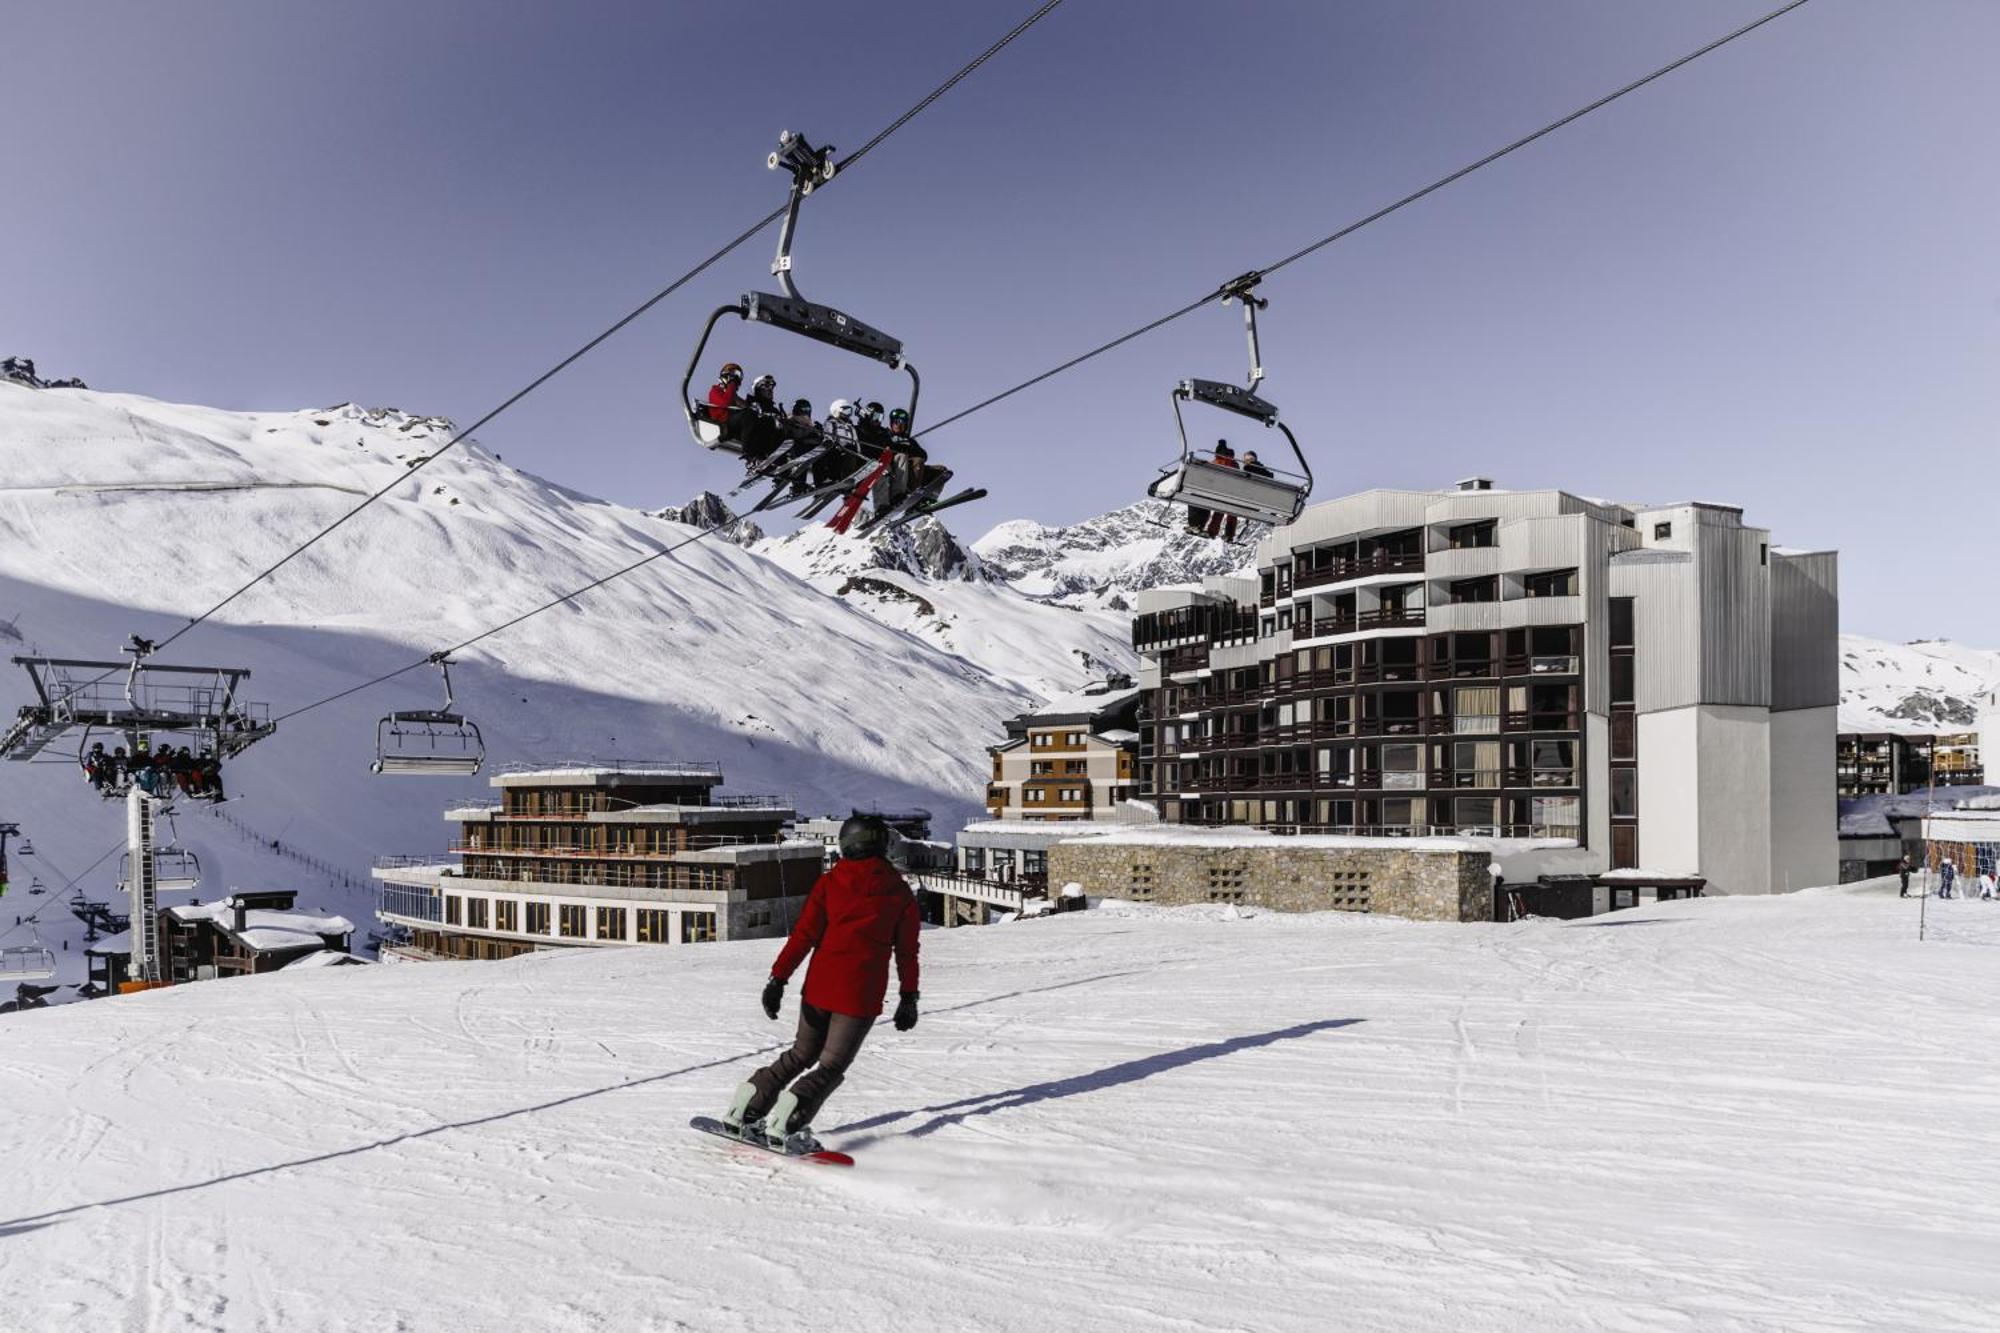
[1423, 885]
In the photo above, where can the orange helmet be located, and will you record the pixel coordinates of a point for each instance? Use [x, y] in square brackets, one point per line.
[731, 371]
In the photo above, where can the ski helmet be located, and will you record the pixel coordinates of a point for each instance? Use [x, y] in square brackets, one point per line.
[871, 412]
[731, 371]
[863, 836]
[899, 415]
[765, 382]
[840, 410]
[802, 405]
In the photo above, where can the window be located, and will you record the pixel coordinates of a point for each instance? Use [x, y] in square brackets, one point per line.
[1624, 793]
[972, 860]
[1621, 622]
[538, 918]
[611, 923]
[1476, 709]
[697, 927]
[1551, 583]
[575, 922]
[506, 915]
[1662, 531]
[1075, 738]
[1041, 768]
[1621, 678]
[1033, 796]
[654, 926]
[1402, 812]
[1402, 766]
[1624, 736]
[1474, 814]
[475, 913]
[1554, 763]
[1467, 536]
[1763, 553]
[1474, 590]
[1476, 763]
[454, 910]
[1555, 816]
[1034, 865]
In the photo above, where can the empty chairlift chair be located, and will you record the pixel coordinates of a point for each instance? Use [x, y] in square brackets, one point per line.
[433, 742]
[28, 962]
[1260, 494]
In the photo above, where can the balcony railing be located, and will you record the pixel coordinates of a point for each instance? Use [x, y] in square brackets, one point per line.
[1390, 617]
[1380, 562]
[1538, 722]
[417, 862]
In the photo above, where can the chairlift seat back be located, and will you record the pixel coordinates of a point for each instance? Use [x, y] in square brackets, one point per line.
[822, 323]
[1202, 484]
[434, 765]
[428, 742]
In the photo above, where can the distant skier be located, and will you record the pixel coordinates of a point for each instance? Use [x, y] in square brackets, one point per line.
[1947, 876]
[1903, 869]
[858, 915]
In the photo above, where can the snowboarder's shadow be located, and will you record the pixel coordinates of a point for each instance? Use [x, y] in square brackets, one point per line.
[1129, 1071]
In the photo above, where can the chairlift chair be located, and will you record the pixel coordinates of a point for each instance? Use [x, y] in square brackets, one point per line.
[429, 742]
[175, 870]
[29, 962]
[1197, 480]
[791, 312]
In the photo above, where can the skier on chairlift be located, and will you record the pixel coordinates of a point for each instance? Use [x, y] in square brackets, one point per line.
[868, 426]
[723, 401]
[761, 422]
[859, 915]
[1224, 457]
[97, 766]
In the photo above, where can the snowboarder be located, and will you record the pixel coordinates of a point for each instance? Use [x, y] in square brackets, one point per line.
[1947, 876]
[1903, 868]
[858, 915]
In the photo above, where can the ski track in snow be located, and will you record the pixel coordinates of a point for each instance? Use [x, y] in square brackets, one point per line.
[1736, 1114]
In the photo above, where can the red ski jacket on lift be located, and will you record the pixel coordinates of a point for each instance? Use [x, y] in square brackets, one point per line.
[722, 402]
[858, 914]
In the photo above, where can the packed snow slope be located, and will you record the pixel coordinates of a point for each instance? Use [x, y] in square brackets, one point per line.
[1729, 1114]
[123, 514]
[1931, 685]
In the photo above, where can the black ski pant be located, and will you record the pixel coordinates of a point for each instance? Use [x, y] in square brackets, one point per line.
[826, 1044]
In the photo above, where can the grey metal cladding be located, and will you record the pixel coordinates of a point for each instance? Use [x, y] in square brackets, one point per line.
[1666, 627]
[1735, 593]
[1805, 630]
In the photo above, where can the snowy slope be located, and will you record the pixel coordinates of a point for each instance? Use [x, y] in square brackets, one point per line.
[1928, 686]
[919, 580]
[1738, 1114]
[1101, 562]
[123, 515]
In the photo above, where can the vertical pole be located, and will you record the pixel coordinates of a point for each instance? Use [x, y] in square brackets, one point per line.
[142, 886]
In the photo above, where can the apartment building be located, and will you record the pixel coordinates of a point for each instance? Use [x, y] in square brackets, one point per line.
[1657, 684]
[593, 855]
[1883, 763]
[1072, 759]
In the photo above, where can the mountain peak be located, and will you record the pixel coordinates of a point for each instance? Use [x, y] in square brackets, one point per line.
[1102, 561]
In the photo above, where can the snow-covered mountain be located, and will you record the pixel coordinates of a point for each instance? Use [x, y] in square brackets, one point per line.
[1927, 686]
[1100, 562]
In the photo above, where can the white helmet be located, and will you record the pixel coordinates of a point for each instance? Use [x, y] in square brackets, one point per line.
[841, 410]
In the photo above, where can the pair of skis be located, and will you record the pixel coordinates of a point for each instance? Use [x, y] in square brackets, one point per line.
[813, 501]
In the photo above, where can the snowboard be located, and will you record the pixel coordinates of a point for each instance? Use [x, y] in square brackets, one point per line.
[825, 1156]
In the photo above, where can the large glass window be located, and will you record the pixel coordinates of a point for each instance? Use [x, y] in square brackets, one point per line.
[1476, 590]
[1624, 736]
[1476, 763]
[1624, 793]
[1402, 766]
[1554, 763]
[574, 921]
[653, 926]
[1555, 816]
[611, 923]
[1467, 536]
[1550, 583]
[1621, 622]
[1474, 814]
[1621, 678]
[475, 913]
[1476, 709]
[1402, 812]
[538, 918]
[697, 927]
[454, 910]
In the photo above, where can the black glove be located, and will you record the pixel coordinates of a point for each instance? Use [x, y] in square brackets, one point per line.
[774, 995]
[906, 1011]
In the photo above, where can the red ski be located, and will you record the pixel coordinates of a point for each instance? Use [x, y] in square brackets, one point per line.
[852, 504]
[825, 1156]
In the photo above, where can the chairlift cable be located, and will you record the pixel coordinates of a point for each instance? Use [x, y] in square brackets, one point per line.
[1380, 213]
[562, 365]
[54, 895]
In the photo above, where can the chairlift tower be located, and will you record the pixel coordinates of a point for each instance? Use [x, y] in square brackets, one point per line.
[77, 696]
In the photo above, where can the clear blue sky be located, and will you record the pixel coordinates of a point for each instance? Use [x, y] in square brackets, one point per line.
[1768, 280]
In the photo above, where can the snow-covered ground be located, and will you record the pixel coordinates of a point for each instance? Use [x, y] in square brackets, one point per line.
[1751, 1113]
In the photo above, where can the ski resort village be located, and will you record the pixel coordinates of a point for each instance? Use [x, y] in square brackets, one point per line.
[694, 822]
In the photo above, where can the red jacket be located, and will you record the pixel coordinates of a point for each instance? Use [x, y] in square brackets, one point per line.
[722, 402]
[858, 913]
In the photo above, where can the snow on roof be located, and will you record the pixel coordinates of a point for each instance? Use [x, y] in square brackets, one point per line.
[266, 929]
[1094, 698]
[323, 958]
[1118, 736]
[1647, 876]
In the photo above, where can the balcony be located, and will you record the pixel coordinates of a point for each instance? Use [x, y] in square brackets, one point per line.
[1381, 562]
[1538, 722]
[1391, 617]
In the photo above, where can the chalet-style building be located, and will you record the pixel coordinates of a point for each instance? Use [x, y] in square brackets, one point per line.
[600, 854]
[246, 934]
[1074, 758]
[1657, 684]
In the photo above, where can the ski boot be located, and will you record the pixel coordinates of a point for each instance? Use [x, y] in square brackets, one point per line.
[779, 1133]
